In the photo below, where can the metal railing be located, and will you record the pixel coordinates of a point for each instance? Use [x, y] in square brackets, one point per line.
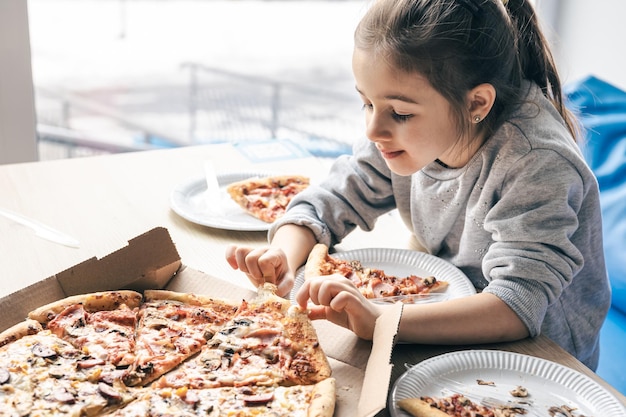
[252, 106]
[214, 105]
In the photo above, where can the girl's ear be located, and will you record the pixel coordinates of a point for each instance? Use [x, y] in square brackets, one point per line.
[480, 100]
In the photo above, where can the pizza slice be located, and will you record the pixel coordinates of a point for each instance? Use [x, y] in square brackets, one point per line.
[316, 400]
[19, 367]
[43, 375]
[172, 327]
[267, 342]
[101, 325]
[418, 407]
[371, 282]
[458, 405]
[455, 405]
[267, 198]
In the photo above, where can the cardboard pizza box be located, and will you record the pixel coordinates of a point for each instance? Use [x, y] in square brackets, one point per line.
[362, 369]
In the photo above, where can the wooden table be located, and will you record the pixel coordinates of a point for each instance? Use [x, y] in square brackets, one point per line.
[104, 201]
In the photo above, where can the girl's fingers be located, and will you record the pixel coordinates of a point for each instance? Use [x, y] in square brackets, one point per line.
[323, 290]
[302, 296]
[342, 301]
[317, 312]
[261, 265]
[237, 255]
[336, 299]
[285, 285]
[272, 265]
[231, 256]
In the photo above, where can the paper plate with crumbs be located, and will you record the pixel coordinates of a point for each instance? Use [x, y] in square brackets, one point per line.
[493, 374]
[192, 201]
[403, 263]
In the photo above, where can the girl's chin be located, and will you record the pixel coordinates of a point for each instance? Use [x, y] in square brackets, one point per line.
[401, 169]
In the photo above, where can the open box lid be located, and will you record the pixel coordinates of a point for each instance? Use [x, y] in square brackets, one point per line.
[148, 261]
[361, 368]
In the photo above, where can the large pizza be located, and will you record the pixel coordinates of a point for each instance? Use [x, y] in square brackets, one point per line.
[164, 353]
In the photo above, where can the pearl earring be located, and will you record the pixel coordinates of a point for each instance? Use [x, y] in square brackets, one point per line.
[476, 119]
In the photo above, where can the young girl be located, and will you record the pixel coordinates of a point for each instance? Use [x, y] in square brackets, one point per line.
[470, 140]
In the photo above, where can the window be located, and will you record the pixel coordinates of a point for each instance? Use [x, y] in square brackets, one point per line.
[120, 75]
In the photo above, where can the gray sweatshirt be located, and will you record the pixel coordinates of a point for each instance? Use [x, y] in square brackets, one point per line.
[522, 220]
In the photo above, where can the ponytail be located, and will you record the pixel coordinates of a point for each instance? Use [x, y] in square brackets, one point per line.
[535, 58]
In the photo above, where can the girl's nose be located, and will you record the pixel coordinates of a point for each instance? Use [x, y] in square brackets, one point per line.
[376, 129]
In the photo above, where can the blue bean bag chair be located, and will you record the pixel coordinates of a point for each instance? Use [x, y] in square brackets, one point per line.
[601, 108]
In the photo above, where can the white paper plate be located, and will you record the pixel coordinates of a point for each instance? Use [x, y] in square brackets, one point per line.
[404, 262]
[190, 200]
[549, 384]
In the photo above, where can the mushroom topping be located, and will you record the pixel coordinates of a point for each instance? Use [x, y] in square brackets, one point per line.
[5, 376]
[64, 396]
[430, 281]
[520, 392]
[56, 372]
[109, 392]
[43, 351]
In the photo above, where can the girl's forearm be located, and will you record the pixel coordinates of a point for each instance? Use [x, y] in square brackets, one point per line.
[296, 241]
[481, 318]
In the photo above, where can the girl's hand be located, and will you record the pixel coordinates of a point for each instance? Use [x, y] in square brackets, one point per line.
[262, 265]
[339, 301]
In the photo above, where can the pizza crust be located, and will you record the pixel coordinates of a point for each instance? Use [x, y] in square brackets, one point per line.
[323, 399]
[25, 328]
[266, 294]
[317, 257]
[420, 408]
[187, 298]
[105, 300]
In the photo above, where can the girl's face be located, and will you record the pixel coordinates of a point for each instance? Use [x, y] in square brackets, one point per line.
[408, 120]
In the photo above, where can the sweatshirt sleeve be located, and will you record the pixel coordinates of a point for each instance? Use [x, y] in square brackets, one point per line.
[534, 226]
[356, 192]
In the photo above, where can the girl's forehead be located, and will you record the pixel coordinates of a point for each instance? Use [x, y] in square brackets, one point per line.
[375, 72]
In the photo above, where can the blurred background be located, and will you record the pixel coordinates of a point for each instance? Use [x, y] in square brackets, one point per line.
[122, 75]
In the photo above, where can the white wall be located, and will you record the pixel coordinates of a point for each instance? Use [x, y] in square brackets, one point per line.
[17, 109]
[590, 38]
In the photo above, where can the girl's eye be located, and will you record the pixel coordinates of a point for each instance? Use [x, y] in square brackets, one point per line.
[395, 116]
[401, 117]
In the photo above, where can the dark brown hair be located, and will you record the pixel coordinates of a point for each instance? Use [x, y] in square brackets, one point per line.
[459, 44]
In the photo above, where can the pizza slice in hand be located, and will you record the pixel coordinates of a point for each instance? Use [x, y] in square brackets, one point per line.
[267, 198]
[371, 282]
